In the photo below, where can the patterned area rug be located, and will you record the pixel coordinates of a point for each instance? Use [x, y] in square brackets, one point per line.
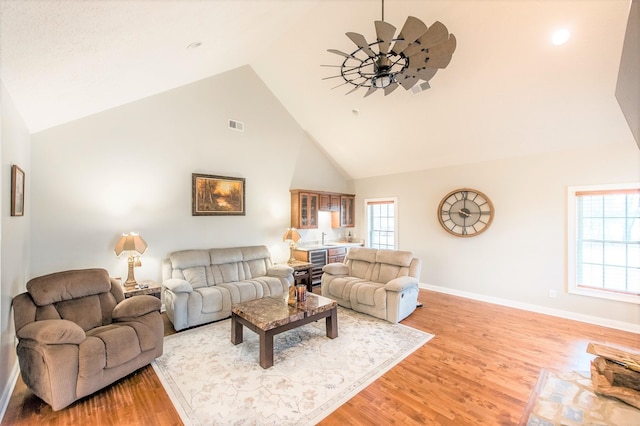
[568, 399]
[211, 381]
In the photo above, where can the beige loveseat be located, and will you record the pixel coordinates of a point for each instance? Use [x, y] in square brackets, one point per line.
[381, 283]
[77, 334]
[199, 286]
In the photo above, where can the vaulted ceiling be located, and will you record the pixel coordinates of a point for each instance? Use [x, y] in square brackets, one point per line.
[507, 92]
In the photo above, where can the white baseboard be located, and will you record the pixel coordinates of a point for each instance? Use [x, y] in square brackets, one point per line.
[8, 391]
[590, 319]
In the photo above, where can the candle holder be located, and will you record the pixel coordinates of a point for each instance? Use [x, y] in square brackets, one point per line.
[301, 293]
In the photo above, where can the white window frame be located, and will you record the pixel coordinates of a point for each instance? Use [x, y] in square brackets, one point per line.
[394, 201]
[573, 286]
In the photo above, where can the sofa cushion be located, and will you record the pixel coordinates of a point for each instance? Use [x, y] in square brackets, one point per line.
[394, 257]
[120, 343]
[67, 285]
[197, 276]
[370, 294]
[243, 291]
[188, 259]
[53, 332]
[212, 299]
[85, 311]
[92, 358]
[221, 256]
[271, 286]
[360, 253]
[227, 272]
[136, 307]
[383, 272]
[361, 269]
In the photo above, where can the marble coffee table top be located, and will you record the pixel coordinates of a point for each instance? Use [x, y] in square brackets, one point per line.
[271, 312]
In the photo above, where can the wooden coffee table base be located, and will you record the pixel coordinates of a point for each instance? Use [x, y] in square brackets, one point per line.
[266, 336]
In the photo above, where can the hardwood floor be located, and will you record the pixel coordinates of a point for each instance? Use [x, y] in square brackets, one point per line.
[480, 368]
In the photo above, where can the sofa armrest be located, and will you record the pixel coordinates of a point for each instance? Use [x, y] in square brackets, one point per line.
[136, 306]
[336, 269]
[401, 283]
[53, 332]
[177, 285]
[280, 271]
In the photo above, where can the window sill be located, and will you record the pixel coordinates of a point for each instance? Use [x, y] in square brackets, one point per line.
[604, 294]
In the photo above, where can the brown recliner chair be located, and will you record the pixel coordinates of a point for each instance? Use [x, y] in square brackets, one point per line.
[77, 334]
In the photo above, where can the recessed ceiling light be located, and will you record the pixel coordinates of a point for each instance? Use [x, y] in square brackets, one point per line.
[194, 45]
[560, 37]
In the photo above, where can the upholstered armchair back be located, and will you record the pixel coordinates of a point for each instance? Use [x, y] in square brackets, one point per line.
[85, 297]
[216, 266]
[381, 266]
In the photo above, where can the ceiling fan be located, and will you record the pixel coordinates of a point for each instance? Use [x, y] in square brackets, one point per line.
[415, 57]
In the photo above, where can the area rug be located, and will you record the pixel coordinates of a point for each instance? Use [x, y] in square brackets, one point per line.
[568, 399]
[213, 382]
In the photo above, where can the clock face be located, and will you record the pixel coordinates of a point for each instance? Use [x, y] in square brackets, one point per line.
[465, 212]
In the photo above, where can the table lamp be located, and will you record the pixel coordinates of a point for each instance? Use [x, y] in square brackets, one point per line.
[133, 246]
[293, 237]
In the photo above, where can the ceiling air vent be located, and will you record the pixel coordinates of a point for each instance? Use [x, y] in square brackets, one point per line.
[236, 125]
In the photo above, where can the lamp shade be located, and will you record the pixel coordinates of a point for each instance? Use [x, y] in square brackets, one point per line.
[291, 235]
[129, 243]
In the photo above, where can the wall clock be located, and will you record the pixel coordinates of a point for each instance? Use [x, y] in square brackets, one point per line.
[465, 212]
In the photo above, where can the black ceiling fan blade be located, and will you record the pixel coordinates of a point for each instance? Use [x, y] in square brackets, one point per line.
[436, 33]
[412, 30]
[361, 42]
[385, 32]
[340, 85]
[341, 53]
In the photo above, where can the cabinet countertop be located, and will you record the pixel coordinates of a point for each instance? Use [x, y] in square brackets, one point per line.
[327, 246]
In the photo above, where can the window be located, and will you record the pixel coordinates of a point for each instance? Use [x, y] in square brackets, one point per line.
[381, 223]
[604, 241]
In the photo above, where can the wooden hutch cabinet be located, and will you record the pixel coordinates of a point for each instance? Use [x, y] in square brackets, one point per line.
[329, 202]
[344, 218]
[306, 204]
[304, 210]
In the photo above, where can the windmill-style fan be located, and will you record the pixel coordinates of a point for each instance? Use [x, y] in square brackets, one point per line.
[417, 54]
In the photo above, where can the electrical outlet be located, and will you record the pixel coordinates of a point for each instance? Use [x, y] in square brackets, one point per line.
[552, 293]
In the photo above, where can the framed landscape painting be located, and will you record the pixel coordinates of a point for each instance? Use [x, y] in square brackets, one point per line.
[17, 191]
[217, 195]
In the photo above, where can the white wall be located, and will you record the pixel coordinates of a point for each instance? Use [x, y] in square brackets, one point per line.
[523, 254]
[14, 266]
[129, 169]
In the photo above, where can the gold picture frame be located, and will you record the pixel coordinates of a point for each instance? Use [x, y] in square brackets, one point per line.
[217, 195]
[17, 191]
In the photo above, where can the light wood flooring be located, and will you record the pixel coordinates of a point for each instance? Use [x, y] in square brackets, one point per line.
[480, 368]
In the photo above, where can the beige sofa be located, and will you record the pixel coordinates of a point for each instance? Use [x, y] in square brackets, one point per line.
[77, 334]
[199, 286]
[381, 283]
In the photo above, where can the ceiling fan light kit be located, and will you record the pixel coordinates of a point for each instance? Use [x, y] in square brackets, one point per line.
[412, 58]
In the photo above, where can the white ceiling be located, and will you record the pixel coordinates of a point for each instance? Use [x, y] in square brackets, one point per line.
[507, 91]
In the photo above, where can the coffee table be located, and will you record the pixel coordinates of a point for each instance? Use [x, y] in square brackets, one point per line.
[273, 315]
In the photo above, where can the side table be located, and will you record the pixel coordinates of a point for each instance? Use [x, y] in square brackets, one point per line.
[154, 289]
[302, 273]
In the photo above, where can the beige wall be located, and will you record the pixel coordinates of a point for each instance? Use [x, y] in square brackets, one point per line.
[129, 169]
[523, 254]
[14, 266]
